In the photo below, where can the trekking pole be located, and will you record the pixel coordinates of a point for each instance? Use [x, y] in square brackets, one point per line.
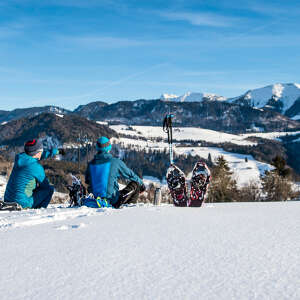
[167, 127]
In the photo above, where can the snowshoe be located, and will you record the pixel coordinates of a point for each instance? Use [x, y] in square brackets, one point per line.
[76, 191]
[177, 185]
[9, 206]
[199, 184]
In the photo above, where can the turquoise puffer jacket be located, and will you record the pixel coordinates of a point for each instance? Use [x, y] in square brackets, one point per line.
[26, 173]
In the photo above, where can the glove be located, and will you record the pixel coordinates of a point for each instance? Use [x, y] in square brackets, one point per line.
[61, 151]
[142, 188]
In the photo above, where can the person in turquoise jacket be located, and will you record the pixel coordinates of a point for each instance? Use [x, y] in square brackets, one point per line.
[102, 176]
[28, 184]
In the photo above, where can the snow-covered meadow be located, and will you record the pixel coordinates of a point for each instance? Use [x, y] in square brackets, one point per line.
[243, 171]
[219, 251]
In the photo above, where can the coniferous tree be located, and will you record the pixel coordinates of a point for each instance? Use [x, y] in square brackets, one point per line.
[276, 184]
[223, 188]
[209, 159]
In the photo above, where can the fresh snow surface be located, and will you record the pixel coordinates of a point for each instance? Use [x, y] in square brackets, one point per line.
[287, 93]
[59, 115]
[219, 251]
[3, 123]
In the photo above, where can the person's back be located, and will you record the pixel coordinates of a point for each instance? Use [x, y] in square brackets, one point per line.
[28, 184]
[22, 180]
[103, 173]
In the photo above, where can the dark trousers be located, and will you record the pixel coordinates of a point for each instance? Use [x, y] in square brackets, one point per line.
[42, 195]
[129, 194]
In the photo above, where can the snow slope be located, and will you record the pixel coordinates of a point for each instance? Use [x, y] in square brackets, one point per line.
[220, 251]
[244, 172]
[196, 134]
[191, 97]
[286, 93]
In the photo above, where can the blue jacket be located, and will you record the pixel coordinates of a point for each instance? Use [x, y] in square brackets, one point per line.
[102, 176]
[26, 173]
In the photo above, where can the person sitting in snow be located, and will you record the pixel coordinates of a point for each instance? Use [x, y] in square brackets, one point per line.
[28, 185]
[102, 176]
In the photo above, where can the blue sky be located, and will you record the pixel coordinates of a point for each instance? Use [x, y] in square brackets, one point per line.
[72, 52]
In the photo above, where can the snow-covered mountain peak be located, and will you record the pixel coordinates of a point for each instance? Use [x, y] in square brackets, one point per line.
[280, 95]
[168, 97]
[277, 90]
[192, 97]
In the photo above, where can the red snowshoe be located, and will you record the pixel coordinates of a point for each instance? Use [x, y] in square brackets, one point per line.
[199, 184]
[177, 186]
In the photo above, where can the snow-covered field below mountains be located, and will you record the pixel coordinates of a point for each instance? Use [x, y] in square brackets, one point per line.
[220, 251]
[197, 134]
[244, 171]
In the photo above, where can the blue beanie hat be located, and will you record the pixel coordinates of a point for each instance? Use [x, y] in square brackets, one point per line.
[103, 144]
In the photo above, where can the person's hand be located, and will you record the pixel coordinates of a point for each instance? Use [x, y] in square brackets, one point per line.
[142, 188]
[61, 151]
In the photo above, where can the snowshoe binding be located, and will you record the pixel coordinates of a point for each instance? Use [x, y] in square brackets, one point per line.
[199, 184]
[9, 206]
[177, 185]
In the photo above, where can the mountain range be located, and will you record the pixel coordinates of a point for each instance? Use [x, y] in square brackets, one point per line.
[283, 98]
[193, 109]
[251, 112]
[272, 108]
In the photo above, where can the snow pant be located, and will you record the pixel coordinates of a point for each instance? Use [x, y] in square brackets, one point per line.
[42, 195]
[129, 194]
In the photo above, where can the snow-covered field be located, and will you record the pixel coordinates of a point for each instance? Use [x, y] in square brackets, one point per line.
[220, 251]
[244, 172]
[196, 134]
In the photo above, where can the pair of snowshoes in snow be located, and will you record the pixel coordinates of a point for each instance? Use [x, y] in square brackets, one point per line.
[9, 206]
[178, 188]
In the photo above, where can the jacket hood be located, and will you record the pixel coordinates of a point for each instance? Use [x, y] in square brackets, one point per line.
[103, 155]
[23, 160]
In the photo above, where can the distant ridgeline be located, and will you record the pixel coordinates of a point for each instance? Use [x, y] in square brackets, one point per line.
[215, 115]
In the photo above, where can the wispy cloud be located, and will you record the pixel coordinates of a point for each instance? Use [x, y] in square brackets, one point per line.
[103, 42]
[16, 27]
[9, 30]
[273, 9]
[199, 19]
[84, 4]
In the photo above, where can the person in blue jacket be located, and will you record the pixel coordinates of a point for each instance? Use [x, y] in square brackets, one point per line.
[102, 176]
[28, 184]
